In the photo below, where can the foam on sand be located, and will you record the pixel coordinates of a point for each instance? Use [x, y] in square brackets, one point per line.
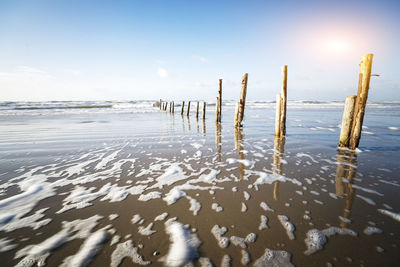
[265, 206]
[218, 233]
[146, 230]
[184, 244]
[264, 223]
[370, 230]
[127, 250]
[316, 239]
[88, 250]
[289, 227]
[393, 215]
[38, 253]
[274, 258]
[5, 245]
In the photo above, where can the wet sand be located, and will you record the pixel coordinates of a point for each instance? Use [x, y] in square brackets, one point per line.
[109, 165]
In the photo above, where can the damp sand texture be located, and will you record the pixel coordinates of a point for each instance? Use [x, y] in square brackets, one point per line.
[130, 186]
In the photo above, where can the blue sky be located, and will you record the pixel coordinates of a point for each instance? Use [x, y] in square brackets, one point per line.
[125, 50]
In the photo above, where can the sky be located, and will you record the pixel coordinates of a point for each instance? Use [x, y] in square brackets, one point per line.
[174, 50]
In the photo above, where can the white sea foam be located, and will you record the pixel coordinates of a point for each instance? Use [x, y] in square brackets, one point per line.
[244, 207]
[146, 230]
[216, 207]
[6, 245]
[218, 233]
[264, 223]
[274, 258]
[393, 215]
[265, 206]
[369, 230]
[71, 230]
[183, 248]
[127, 250]
[245, 162]
[161, 217]
[245, 257]
[150, 196]
[366, 199]
[88, 250]
[289, 227]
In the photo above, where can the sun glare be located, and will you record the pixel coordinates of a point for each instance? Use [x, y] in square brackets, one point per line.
[337, 45]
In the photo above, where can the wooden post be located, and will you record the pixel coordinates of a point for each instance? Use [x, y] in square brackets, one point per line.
[236, 114]
[219, 112]
[282, 124]
[238, 122]
[160, 103]
[278, 116]
[183, 106]
[204, 110]
[166, 105]
[173, 107]
[170, 107]
[197, 110]
[188, 109]
[361, 101]
[347, 120]
[217, 109]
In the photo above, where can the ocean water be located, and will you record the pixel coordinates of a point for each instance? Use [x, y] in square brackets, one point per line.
[100, 183]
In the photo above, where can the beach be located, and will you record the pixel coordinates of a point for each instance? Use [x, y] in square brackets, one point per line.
[124, 183]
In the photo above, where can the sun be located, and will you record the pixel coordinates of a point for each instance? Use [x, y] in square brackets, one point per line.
[337, 45]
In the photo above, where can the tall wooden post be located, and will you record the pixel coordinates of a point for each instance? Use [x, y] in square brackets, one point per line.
[173, 107]
[347, 121]
[284, 100]
[197, 109]
[166, 106]
[219, 110]
[188, 109]
[183, 106]
[361, 100]
[160, 103]
[170, 107]
[278, 116]
[204, 110]
[240, 115]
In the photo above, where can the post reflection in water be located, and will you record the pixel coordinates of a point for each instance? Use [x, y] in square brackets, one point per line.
[197, 125]
[204, 127]
[345, 172]
[279, 149]
[238, 133]
[218, 140]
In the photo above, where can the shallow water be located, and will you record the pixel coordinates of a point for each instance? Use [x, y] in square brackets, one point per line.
[94, 188]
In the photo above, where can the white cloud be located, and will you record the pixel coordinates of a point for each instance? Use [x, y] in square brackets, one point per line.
[162, 73]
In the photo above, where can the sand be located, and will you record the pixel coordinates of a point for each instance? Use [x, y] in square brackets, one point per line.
[158, 189]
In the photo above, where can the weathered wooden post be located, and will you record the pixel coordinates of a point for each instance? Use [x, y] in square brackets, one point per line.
[278, 115]
[160, 103]
[240, 111]
[347, 121]
[204, 110]
[361, 100]
[183, 106]
[166, 106]
[197, 110]
[219, 101]
[188, 109]
[170, 107]
[284, 100]
[173, 107]
[217, 109]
